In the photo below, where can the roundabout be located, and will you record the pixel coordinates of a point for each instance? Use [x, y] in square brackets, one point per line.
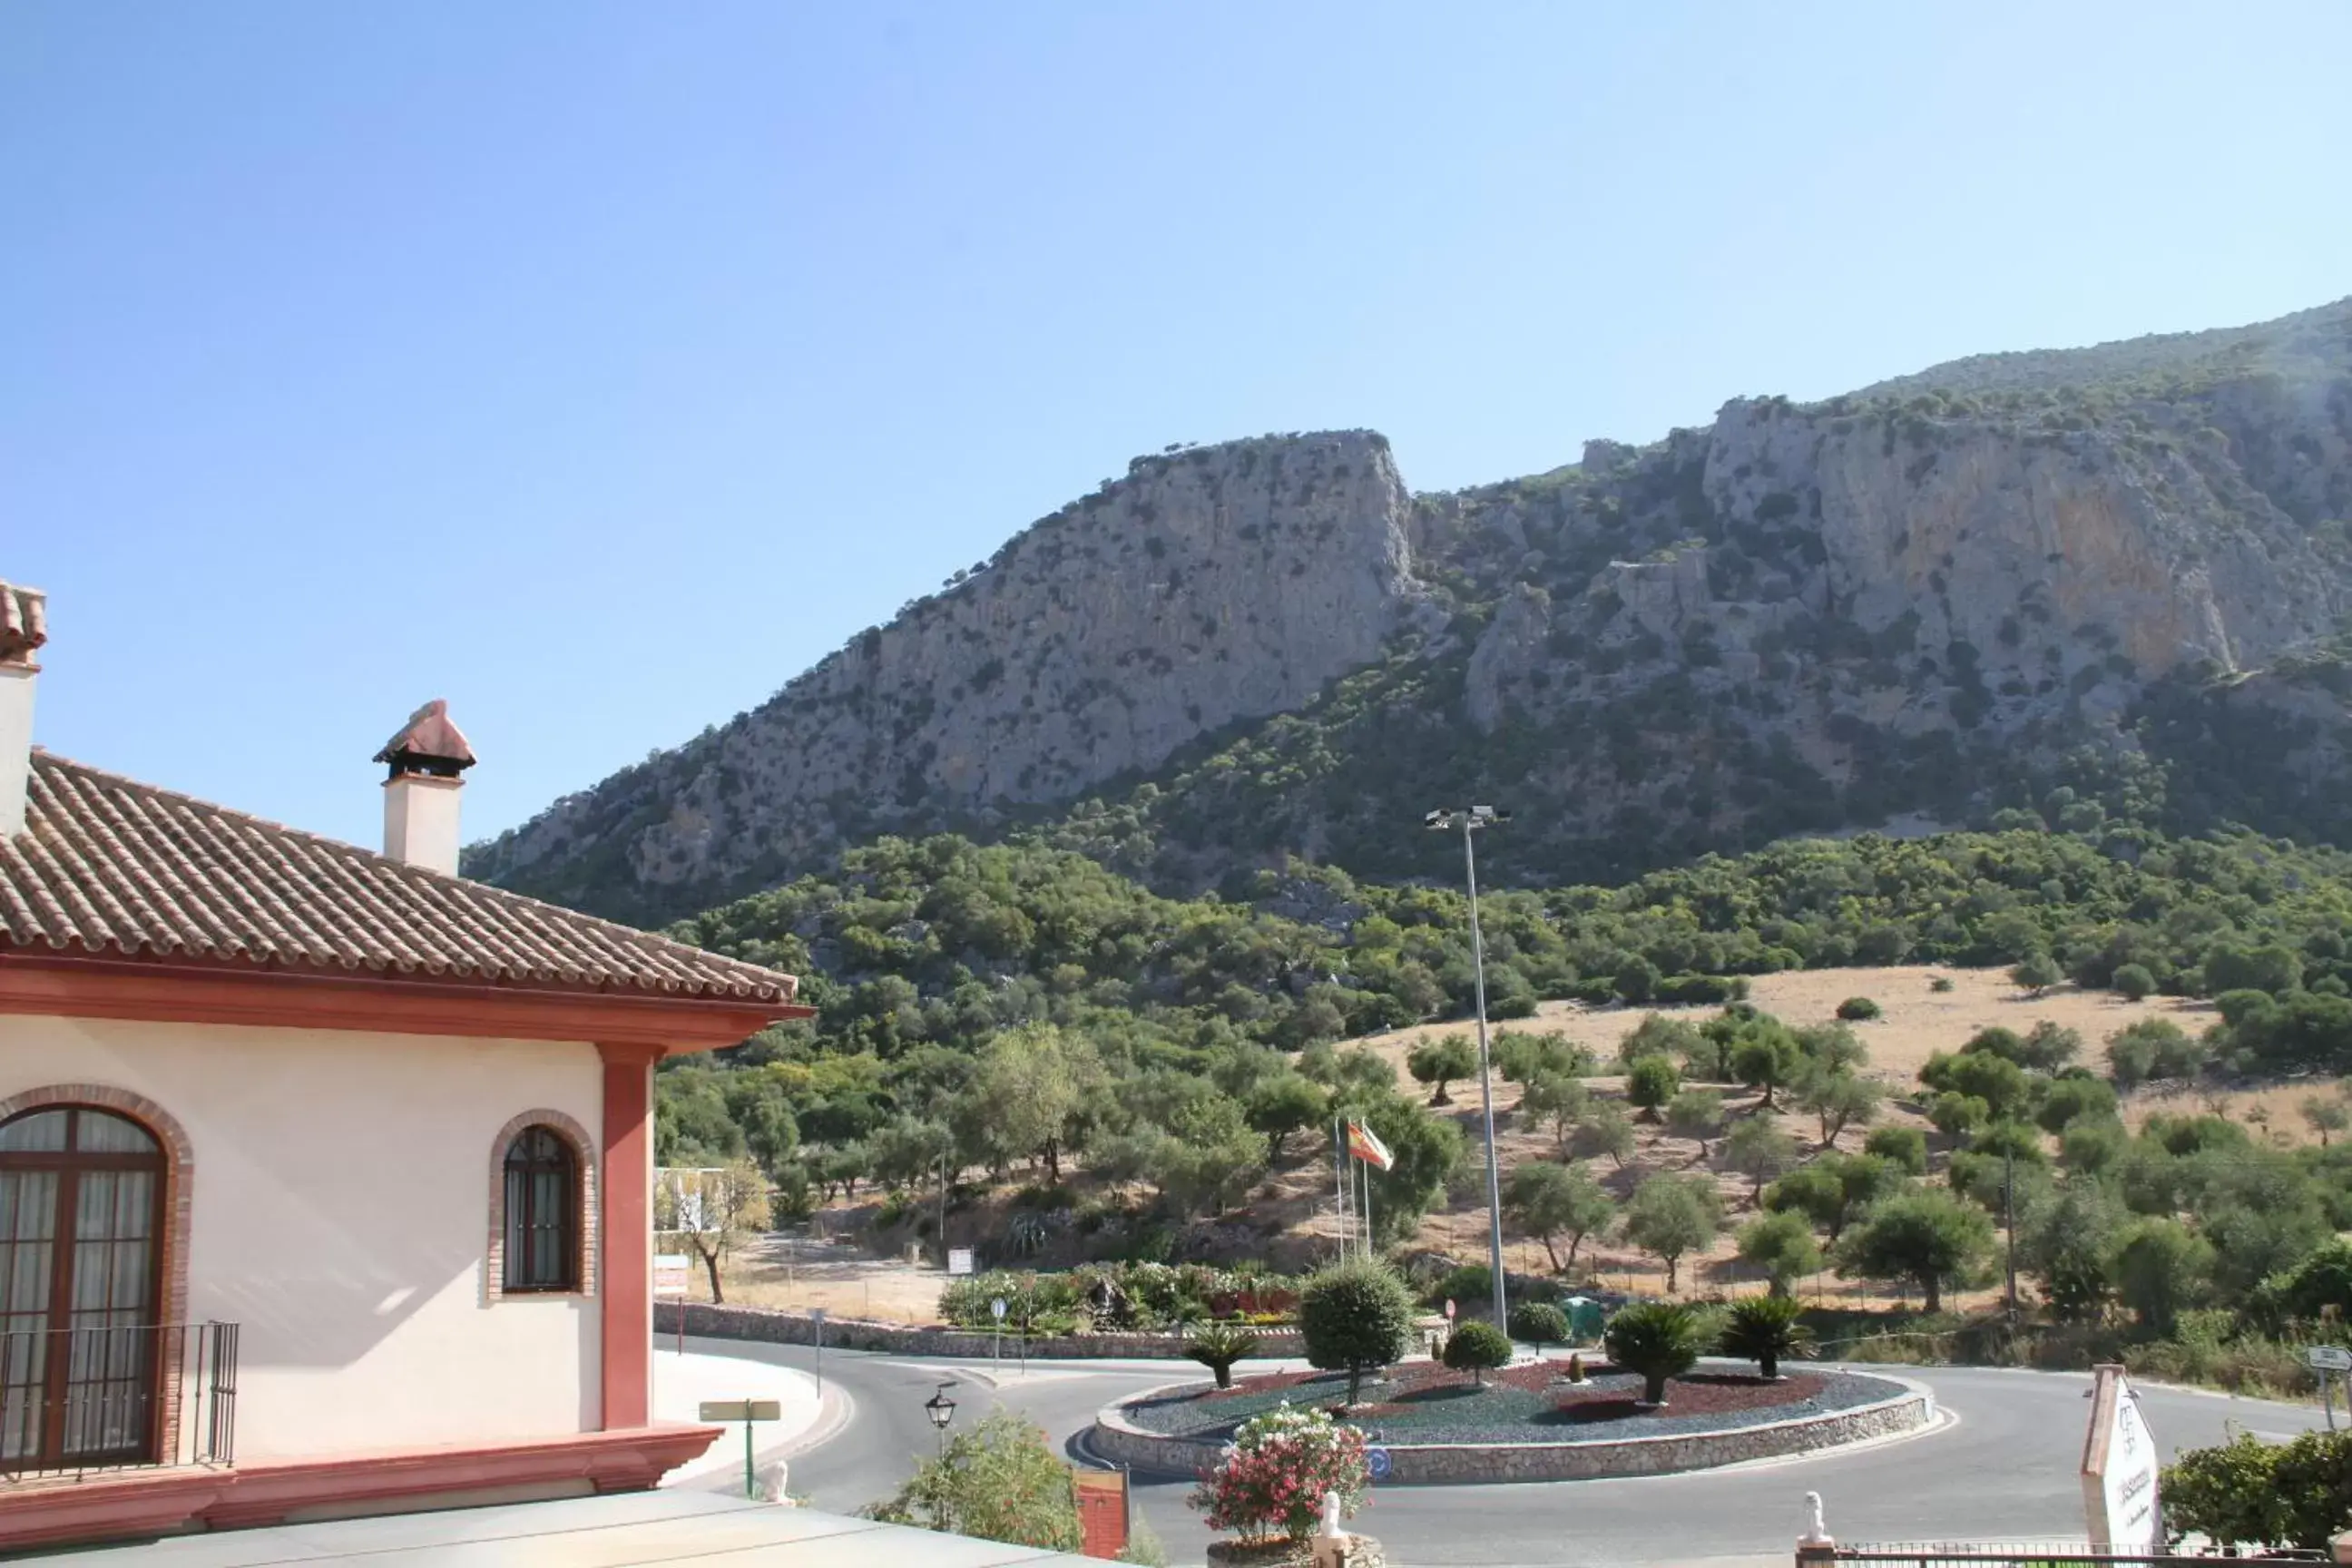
[2001, 1460]
[1528, 1422]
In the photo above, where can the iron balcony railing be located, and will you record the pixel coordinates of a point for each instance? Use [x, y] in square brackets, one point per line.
[117, 1398]
[2025, 1554]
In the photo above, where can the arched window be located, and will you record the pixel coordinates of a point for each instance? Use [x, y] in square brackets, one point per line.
[542, 1214]
[80, 1288]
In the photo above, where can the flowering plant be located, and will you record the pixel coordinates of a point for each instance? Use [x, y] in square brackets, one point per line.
[1272, 1476]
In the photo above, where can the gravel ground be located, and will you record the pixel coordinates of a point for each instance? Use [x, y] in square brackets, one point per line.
[1419, 1410]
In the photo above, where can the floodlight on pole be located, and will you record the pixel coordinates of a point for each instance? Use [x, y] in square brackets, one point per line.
[1470, 820]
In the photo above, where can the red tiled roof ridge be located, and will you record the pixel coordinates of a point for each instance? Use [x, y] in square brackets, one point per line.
[111, 864]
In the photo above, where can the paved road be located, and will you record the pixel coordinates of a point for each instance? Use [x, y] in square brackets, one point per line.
[2004, 1466]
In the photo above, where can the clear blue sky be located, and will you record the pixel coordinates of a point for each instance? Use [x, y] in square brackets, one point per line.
[601, 366]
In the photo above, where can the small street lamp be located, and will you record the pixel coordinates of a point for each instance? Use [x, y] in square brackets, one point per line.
[941, 1410]
[1445, 819]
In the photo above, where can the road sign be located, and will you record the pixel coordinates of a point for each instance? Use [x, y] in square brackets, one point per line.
[818, 1314]
[2119, 1470]
[746, 1411]
[996, 1309]
[742, 1410]
[2328, 1358]
[959, 1259]
[1376, 1463]
[673, 1271]
[1449, 1309]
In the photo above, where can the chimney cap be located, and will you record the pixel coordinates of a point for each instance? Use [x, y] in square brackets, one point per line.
[428, 744]
[24, 623]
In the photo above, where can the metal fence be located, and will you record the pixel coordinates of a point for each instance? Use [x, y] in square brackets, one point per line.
[2024, 1555]
[117, 1398]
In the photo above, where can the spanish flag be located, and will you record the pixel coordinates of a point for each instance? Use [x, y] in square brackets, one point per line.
[1365, 1144]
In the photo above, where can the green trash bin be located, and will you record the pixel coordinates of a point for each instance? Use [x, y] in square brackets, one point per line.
[1585, 1320]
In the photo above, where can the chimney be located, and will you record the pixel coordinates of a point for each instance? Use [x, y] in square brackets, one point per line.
[420, 796]
[24, 628]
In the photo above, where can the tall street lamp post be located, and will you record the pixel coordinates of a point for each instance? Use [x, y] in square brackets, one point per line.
[1470, 821]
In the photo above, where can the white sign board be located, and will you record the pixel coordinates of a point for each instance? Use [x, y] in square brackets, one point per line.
[673, 1272]
[996, 1309]
[2119, 1466]
[2328, 1358]
[959, 1259]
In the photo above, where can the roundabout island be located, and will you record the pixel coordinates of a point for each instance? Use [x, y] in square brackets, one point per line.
[1528, 1422]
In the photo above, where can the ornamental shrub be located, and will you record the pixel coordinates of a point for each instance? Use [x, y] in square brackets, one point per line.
[2248, 1492]
[1354, 1316]
[1217, 1346]
[1539, 1323]
[1271, 1478]
[1475, 1346]
[999, 1480]
[1658, 1339]
[1764, 1329]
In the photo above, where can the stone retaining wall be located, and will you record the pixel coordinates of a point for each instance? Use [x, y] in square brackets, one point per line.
[1120, 1441]
[799, 1329]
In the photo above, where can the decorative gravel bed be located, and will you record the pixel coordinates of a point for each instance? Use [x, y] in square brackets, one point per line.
[1532, 1403]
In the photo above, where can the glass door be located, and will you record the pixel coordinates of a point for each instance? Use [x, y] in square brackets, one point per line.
[80, 1234]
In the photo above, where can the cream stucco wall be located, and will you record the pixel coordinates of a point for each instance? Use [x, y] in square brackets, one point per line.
[341, 1218]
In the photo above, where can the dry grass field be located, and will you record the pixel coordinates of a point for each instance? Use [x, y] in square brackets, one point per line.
[1291, 1216]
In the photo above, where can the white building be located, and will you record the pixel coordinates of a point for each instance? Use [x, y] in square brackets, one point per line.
[324, 1174]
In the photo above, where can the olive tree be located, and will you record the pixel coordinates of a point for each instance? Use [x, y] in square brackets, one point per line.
[1668, 1216]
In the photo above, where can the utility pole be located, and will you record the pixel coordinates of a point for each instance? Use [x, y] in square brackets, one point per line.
[2009, 1224]
[1476, 818]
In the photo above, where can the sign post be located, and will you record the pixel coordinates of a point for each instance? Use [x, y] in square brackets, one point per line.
[672, 1270]
[817, 1313]
[2324, 1360]
[747, 1411]
[2119, 1466]
[996, 1311]
[959, 1259]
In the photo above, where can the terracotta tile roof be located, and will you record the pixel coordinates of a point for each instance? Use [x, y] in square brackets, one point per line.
[108, 866]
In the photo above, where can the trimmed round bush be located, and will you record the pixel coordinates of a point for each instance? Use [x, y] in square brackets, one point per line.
[1474, 1347]
[1858, 1009]
[1539, 1323]
[1354, 1316]
[2133, 981]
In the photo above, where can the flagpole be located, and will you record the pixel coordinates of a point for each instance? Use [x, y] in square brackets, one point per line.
[1370, 1250]
[1340, 1183]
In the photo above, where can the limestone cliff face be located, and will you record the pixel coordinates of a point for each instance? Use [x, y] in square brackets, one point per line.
[1906, 604]
[1209, 585]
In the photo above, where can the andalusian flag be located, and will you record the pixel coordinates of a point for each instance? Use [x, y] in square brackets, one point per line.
[1365, 1144]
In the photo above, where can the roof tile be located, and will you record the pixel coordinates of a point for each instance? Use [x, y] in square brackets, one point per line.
[107, 864]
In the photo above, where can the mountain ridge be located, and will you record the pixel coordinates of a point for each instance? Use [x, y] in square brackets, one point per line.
[1930, 597]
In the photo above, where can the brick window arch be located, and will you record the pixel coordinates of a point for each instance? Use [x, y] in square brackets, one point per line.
[526, 1160]
[142, 1175]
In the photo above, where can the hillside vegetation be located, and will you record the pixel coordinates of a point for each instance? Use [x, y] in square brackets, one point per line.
[2117, 570]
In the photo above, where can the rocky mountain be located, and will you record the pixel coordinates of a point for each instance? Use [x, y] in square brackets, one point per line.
[2116, 572]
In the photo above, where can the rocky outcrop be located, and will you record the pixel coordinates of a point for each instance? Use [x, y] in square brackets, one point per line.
[1210, 585]
[1918, 599]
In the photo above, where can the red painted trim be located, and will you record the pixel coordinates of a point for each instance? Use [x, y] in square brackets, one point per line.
[627, 1233]
[155, 992]
[52, 1512]
[627, 1460]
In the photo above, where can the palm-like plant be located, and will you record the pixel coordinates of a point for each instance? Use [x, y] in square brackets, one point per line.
[1763, 1329]
[1218, 1345]
[1657, 1338]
